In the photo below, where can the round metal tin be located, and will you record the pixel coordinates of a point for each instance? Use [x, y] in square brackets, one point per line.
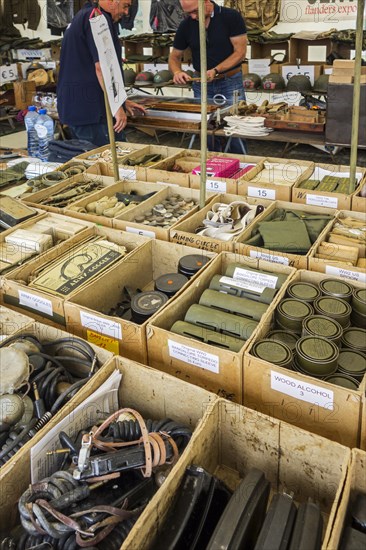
[354, 338]
[285, 337]
[337, 289]
[307, 292]
[297, 368]
[358, 319]
[359, 300]
[274, 352]
[335, 308]
[317, 355]
[317, 325]
[343, 380]
[145, 304]
[190, 264]
[290, 313]
[352, 362]
[170, 283]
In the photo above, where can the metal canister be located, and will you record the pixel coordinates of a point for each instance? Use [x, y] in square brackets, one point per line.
[290, 314]
[307, 292]
[359, 300]
[190, 264]
[273, 352]
[358, 319]
[285, 337]
[208, 336]
[343, 380]
[145, 304]
[297, 368]
[335, 308]
[325, 327]
[225, 323]
[170, 283]
[354, 338]
[336, 289]
[352, 362]
[317, 356]
[232, 304]
[241, 289]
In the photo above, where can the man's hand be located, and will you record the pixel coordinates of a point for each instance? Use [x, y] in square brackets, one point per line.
[180, 77]
[211, 75]
[131, 107]
[121, 120]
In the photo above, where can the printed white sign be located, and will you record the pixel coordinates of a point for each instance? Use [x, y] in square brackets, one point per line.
[303, 390]
[141, 232]
[23, 54]
[269, 257]
[38, 303]
[290, 70]
[127, 174]
[319, 200]
[261, 279]
[111, 69]
[194, 356]
[259, 66]
[217, 186]
[318, 11]
[101, 325]
[8, 73]
[261, 193]
[244, 285]
[346, 273]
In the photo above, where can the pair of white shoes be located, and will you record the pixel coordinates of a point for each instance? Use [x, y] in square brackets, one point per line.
[226, 221]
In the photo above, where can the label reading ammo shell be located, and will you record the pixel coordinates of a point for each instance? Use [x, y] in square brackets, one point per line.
[38, 303]
[261, 193]
[253, 277]
[254, 287]
[216, 186]
[269, 257]
[101, 325]
[319, 200]
[194, 356]
[346, 273]
[323, 397]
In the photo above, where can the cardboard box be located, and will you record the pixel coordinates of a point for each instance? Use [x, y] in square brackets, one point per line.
[154, 394]
[24, 91]
[332, 265]
[300, 49]
[234, 439]
[42, 305]
[263, 51]
[86, 312]
[12, 322]
[339, 201]
[307, 402]
[127, 223]
[163, 171]
[273, 179]
[355, 483]
[139, 172]
[358, 202]
[122, 145]
[337, 79]
[215, 368]
[285, 258]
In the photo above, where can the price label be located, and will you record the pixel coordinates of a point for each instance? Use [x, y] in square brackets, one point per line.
[303, 390]
[8, 73]
[262, 193]
[104, 342]
[141, 232]
[33, 301]
[216, 186]
[319, 200]
[194, 356]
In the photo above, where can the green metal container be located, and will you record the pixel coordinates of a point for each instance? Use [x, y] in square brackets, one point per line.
[273, 352]
[232, 304]
[307, 292]
[208, 336]
[336, 289]
[297, 368]
[317, 356]
[354, 338]
[225, 323]
[242, 272]
[285, 337]
[352, 362]
[290, 314]
[237, 288]
[335, 308]
[359, 300]
[325, 327]
[343, 380]
[358, 319]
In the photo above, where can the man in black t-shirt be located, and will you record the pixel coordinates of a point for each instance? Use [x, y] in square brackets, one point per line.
[80, 98]
[226, 43]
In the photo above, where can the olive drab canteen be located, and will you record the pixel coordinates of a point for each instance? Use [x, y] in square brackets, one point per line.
[321, 83]
[145, 76]
[299, 83]
[163, 76]
[251, 81]
[129, 76]
[273, 81]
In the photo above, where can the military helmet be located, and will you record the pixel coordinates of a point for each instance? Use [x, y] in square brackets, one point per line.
[163, 76]
[251, 81]
[145, 76]
[299, 83]
[273, 81]
[321, 83]
[129, 77]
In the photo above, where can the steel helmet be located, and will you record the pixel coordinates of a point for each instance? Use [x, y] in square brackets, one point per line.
[251, 81]
[129, 77]
[321, 83]
[145, 76]
[299, 83]
[163, 76]
[273, 81]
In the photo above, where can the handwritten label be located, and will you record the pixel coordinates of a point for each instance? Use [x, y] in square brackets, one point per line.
[141, 232]
[216, 186]
[320, 200]
[194, 356]
[101, 325]
[359, 276]
[261, 279]
[127, 173]
[323, 397]
[8, 73]
[104, 342]
[261, 193]
[241, 284]
[269, 257]
[38, 303]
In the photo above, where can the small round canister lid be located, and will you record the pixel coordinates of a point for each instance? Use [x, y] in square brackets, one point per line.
[170, 283]
[342, 380]
[285, 336]
[317, 325]
[307, 292]
[337, 289]
[290, 313]
[354, 338]
[352, 362]
[359, 300]
[145, 304]
[317, 355]
[335, 308]
[190, 264]
[274, 352]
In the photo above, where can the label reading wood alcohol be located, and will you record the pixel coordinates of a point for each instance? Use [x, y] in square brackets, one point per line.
[194, 356]
[261, 193]
[101, 325]
[320, 200]
[38, 303]
[323, 397]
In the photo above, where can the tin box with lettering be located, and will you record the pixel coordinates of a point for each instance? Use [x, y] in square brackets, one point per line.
[309, 402]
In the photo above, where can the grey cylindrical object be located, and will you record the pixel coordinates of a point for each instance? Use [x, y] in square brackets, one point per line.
[232, 304]
[225, 323]
[281, 278]
[237, 288]
[207, 335]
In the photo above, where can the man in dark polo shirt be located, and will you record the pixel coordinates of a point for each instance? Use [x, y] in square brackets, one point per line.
[226, 44]
[80, 98]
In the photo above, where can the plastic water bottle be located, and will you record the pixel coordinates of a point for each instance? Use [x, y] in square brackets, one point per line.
[44, 128]
[32, 137]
